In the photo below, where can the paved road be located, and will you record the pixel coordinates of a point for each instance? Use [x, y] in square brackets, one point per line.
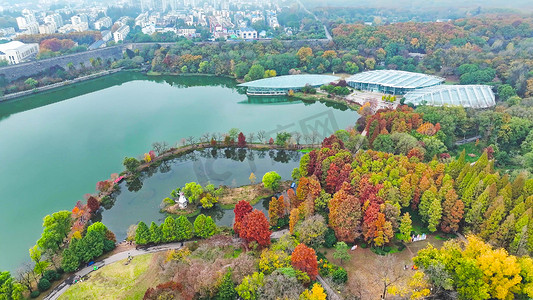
[60, 289]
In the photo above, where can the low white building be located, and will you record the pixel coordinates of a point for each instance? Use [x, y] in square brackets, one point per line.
[247, 33]
[104, 22]
[187, 32]
[121, 33]
[148, 29]
[16, 52]
[83, 26]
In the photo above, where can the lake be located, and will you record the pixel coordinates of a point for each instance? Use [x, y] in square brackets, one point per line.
[55, 146]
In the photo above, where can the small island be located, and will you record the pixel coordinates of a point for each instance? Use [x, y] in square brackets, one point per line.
[193, 197]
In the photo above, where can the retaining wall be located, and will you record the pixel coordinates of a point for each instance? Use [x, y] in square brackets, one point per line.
[14, 72]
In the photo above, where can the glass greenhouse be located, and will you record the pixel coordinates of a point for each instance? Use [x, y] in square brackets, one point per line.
[392, 82]
[475, 96]
[281, 85]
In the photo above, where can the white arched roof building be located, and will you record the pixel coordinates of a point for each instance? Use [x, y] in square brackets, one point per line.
[392, 81]
[475, 96]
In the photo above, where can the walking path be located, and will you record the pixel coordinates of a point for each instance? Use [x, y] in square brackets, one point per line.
[60, 289]
[332, 295]
[468, 140]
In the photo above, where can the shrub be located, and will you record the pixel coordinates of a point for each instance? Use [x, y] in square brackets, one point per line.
[43, 284]
[340, 276]
[108, 246]
[51, 275]
[35, 294]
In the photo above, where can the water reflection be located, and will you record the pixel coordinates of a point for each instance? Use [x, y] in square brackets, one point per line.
[139, 198]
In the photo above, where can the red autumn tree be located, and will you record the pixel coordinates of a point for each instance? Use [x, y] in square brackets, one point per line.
[415, 152]
[345, 215]
[303, 258]
[332, 178]
[381, 231]
[241, 210]
[104, 185]
[255, 227]
[276, 210]
[93, 204]
[241, 140]
[292, 196]
[452, 212]
[369, 228]
[271, 141]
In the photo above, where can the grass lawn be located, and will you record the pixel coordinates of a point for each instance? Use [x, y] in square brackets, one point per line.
[470, 148]
[117, 281]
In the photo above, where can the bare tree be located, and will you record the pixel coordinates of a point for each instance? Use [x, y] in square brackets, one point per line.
[307, 138]
[297, 137]
[191, 140]
[205, 137]
[160, 147]
[314, 137]
[26, 275]
[389, 272]
[261, 136]
[251, 138]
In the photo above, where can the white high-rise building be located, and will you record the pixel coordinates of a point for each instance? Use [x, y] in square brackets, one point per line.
[32, 28]
[21, 23]
[55, 19]
[104, 22]
[47, 28]
[78, 19]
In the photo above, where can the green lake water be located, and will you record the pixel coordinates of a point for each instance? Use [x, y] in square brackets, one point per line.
[55, 146]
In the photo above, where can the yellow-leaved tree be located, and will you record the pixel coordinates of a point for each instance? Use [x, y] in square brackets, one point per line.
[316, 293]
[501, 271]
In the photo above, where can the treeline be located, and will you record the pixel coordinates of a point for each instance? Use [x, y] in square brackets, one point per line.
[237, 59]
[505, 132]
[82, 38]
[174, 230]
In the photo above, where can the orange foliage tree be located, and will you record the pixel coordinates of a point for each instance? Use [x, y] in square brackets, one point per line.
[241, 210]
[276, 210]
[303, 258]
[255, 227]
[345, 215]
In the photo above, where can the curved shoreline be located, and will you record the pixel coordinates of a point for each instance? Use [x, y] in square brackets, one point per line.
[177, 152]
